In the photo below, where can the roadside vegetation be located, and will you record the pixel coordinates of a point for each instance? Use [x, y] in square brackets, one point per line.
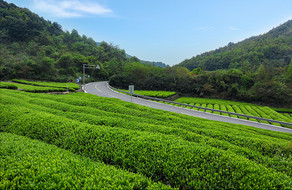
[237, 107]
[157, 94]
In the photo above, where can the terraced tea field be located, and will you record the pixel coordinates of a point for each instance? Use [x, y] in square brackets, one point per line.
[33, 86]
[158, 94]
[237, 107]
[114, 144]
[32, 164]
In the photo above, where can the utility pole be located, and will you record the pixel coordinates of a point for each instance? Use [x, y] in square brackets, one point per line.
[88, 67]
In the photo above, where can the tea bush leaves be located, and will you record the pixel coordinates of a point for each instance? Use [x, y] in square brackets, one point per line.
[31, 164]
[238, 107]
[177, 150]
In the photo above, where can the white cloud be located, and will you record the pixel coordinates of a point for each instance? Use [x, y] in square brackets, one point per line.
[233, 28]
[73, 8]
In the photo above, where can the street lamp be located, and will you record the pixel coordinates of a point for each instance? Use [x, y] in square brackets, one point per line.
[88, 66]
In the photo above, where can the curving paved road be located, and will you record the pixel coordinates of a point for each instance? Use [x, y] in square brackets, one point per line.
[102, 89]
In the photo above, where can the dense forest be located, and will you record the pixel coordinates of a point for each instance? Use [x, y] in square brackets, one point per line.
[273, 49]
[33, 48]
[266, 86]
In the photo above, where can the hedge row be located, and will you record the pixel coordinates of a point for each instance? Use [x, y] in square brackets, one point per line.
[157, 94]
[209, 101]
[90, 116]
[165, 158]
[70, 86]
[31, 164]
[8, 85]
[268, 142]
[31, 88]
[238, 107]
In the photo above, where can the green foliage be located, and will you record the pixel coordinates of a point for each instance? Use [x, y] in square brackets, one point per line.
[8, 85]
[31, 164]
[197, 71]
[34, 86]
[238, 107]
[72, 86]
[33, 48]
[288, 73]
[258, 69]
[266, 86]
[287, 110]
[175, 149]
[158, 94]
[273, 49]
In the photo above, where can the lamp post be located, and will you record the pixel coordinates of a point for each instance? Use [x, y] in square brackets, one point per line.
[88, 66]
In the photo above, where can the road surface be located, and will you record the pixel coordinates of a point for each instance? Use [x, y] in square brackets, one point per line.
[102, 89]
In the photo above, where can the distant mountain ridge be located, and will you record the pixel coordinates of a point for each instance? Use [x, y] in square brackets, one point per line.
[273, 49]
[154, 63]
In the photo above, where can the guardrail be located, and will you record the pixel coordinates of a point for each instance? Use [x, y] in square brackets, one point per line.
[259, 119]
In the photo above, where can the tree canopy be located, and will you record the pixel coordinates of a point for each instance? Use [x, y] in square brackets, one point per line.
[273, 49]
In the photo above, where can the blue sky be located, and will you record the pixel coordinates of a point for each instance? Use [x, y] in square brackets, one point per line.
[164, 30]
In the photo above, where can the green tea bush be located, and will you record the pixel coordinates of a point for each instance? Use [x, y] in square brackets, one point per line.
[158, 94]
[264, 148]
[32, 164]
[164, 158]
[7, 85]
[70, 86]
[239, 107]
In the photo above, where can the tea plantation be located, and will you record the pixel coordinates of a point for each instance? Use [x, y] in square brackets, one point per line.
[37, 86]
[81, 140]
[237, 107]
[158, 94]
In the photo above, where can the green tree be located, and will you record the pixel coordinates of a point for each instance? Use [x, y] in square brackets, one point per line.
[288, 74]
[197, 71]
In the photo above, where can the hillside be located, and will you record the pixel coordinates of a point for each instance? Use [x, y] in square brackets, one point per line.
[273, 49]
[176, 150]
[34, 48]
[154, 63]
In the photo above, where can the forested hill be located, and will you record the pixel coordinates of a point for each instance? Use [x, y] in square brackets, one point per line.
[154, 63]
[273, 49]
[34, 48]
